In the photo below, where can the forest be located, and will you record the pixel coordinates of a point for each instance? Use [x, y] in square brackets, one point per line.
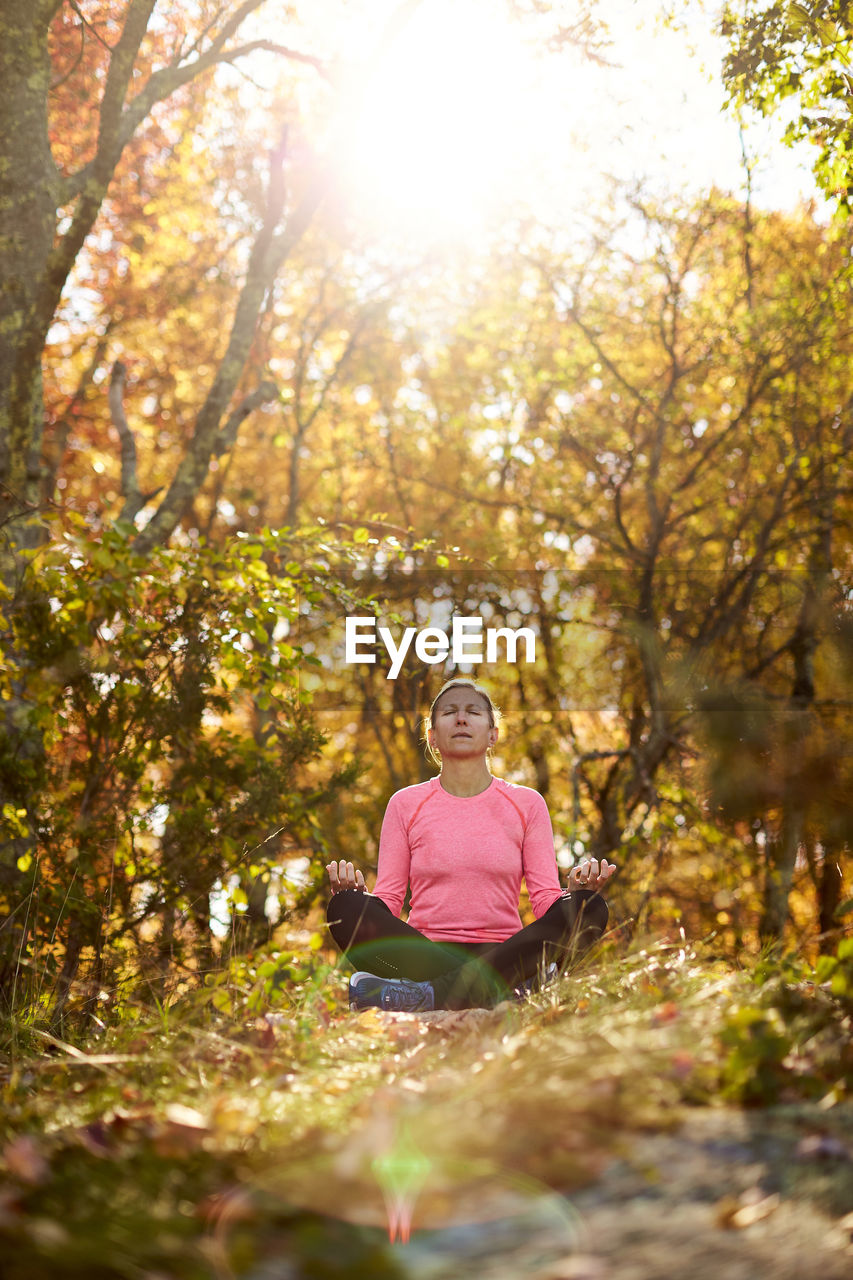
[236, 410]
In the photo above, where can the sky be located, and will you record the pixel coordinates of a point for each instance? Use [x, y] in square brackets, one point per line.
[464, 122]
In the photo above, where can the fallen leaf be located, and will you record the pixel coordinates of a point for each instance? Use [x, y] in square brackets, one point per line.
[822, 1146]
[183, 1132]
[752, 1206]
[25, 1160]
[370, 1020]
[577, 1266]
[682, 1064]
[10, 1208]
[229, 1116]
[667, 1012]
[263, 1034]
[186, 1117]
[95, 1138]
[47, 1233]
[223, 1208]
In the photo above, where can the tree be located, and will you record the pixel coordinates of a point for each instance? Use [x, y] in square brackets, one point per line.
[799, 51]
[59, 159]
[655, 435]
[159, 781]
[716, 491]
[49, 212]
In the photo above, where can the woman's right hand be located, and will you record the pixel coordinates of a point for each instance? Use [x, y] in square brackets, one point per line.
[591, 874]
[343, 875]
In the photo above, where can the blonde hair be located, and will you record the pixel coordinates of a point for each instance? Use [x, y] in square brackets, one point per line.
[461, 682]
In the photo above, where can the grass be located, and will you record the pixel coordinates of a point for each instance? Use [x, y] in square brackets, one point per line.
[201, 1141]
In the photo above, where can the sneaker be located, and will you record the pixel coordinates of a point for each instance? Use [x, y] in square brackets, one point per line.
[536, 983]
[367, 991]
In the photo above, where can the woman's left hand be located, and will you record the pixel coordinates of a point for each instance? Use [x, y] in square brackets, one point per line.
[591, 874]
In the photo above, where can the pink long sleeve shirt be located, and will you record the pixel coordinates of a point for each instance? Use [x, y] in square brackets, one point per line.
[465, 857]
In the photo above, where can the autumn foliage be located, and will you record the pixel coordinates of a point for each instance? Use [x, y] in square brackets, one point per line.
[231, 416]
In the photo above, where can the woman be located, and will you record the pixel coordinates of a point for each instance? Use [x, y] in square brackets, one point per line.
[462, 841]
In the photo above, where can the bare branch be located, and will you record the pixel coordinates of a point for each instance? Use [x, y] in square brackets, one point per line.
[748, 166]
[117, 125]
[303, 425]
[118, 80]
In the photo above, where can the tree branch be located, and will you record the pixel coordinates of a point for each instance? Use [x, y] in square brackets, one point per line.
[269, 46]
[163, 83]
[268, 252]
[86, 25]
[61, 428]
[264, 393]
[74, 65]
[94, 184]
[46, 11]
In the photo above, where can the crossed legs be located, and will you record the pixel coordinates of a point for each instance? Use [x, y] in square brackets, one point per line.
[463, 975]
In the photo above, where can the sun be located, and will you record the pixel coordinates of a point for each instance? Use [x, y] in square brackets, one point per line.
[447, 127]
[471, 120]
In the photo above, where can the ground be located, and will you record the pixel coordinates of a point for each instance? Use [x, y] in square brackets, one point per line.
[662, 1113]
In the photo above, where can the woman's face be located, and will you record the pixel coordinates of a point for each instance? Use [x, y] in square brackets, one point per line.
[460, 726]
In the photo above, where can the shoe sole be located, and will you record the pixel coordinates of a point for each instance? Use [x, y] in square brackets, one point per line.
[355, 1007]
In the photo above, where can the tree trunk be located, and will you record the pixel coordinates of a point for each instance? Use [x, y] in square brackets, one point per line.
[829, 897]
[70, 964]
[779, 876]
[27, 221]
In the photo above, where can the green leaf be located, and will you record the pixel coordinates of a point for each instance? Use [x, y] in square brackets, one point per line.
[798, 17]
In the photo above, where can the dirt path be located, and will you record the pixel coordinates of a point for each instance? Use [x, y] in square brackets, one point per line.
[728, 1196]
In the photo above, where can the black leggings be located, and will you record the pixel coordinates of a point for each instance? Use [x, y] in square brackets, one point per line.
[464, 975]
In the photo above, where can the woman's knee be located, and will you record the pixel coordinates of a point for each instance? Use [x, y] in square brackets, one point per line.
[593, 909]
[342, 903]
[352, 914]
[343, 914]
[352, 903]
[584, 913]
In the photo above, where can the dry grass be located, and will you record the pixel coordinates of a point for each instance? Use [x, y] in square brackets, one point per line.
[197, 1143]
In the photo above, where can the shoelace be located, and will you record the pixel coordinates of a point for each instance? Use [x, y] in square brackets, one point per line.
[403, 997]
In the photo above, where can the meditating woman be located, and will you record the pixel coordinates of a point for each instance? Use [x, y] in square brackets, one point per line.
[462, 842]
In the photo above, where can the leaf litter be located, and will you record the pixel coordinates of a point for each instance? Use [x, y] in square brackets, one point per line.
[430, 1139]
